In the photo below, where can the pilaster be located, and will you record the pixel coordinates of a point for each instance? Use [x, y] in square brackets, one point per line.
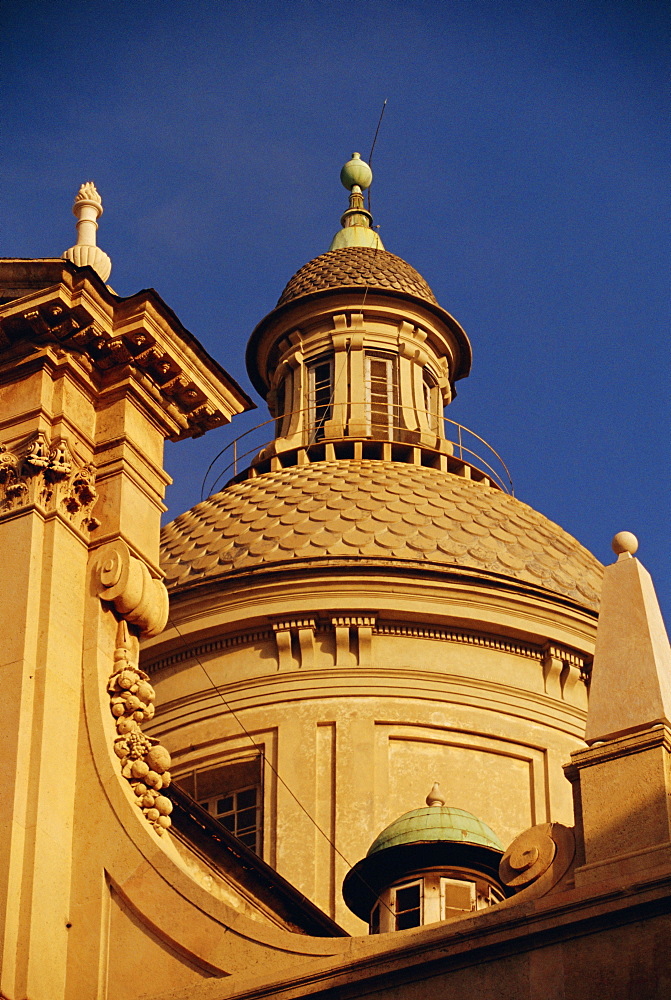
[91, 385]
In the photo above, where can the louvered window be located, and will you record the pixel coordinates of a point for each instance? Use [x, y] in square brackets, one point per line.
[456, 896]
[320, 396]
[380, 393]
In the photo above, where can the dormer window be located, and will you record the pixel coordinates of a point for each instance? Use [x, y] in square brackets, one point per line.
[433, 863]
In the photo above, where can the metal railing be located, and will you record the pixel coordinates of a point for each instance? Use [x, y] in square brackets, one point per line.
[252, 447]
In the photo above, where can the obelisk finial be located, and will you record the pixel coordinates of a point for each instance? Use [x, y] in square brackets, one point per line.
[87, 208]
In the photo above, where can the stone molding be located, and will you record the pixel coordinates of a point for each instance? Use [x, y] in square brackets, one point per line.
[45, 473]
[579, 664]
[115, 338]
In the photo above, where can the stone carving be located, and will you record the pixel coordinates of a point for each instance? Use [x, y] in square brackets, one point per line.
[38, 453]
[538, 860]
[44, 475]
[87, 208]
[98, 348]
[125, 581]
[144, 762]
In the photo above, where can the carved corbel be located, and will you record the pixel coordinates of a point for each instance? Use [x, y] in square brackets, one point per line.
[303, 629]
[362, 628]
[125, 582]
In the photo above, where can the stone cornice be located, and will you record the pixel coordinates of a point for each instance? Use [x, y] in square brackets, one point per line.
[137, 337]
[412, 629]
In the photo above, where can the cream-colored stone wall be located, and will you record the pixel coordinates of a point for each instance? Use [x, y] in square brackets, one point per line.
[359, 712]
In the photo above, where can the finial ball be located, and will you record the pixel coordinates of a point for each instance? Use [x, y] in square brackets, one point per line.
[356, 173]
[624, 541]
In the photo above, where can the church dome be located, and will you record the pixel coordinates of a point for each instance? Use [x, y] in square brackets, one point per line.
[375, 513]
[357, 267]
[436, 823]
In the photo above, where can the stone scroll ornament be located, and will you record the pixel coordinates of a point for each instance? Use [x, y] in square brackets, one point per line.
[142, 602]
[538, 860]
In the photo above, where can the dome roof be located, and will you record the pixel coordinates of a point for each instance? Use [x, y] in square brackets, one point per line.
[436, 823]
[354, 266]
[375, 513]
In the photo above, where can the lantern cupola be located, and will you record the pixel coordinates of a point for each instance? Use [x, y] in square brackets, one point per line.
[358, 359]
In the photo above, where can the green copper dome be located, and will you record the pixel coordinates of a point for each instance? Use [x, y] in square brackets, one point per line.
[436, 823]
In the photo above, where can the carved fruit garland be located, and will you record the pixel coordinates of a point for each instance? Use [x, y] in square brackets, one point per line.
[144, 762]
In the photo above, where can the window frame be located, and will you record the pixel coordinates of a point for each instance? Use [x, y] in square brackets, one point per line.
[419, 882]
[235, 812]
[230, 777]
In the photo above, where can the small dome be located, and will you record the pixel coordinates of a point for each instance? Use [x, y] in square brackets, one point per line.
[357, 267]
[436, 823]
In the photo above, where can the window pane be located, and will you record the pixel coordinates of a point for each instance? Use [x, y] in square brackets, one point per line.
[232, 794]
[411, 918]
[246, 818]
[407, 898]
[459, 895]
[248, 839]
[246, 798]
[319, 396]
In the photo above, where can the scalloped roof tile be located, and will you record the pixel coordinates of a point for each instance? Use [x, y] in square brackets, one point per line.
[356, 266]
[435, 518]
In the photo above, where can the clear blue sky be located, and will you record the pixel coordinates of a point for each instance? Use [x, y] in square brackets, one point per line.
[521, 168]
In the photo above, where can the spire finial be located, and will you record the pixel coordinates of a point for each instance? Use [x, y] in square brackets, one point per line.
[435, 796]
[356, 222]
[87, 208]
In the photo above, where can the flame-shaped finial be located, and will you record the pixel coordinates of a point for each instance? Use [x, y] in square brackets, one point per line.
[435, 796]
[356, 222]
[87, 209]
[87, 192]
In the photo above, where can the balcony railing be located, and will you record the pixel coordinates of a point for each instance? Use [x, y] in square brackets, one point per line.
[459, 450]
